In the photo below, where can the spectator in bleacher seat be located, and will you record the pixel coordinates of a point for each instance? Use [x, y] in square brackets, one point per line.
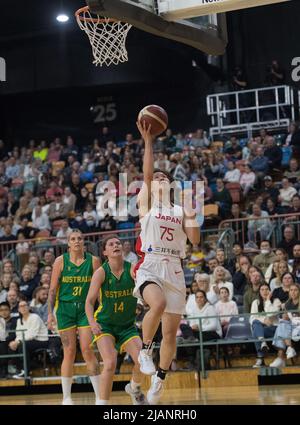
[222, 197]
[260, 164]
[48, 259]
[293, 172]
[295, 139]
[57, 209]
[39, 303]
[271, 207]
[63, 233]
[10, 326]
[220, 280]
[280, 255]
[91, 217]
[286, 194]
[27, 283]
[8, 235]
[12, 204]
[212, 169]
[247, 179]
[269, 190]
[288, 329]
[264, 325]
[280, 268]
[69, 199]
[12, 169]
[295, 262]
[169, 141]
[294, 209]
[203, 281]
[13, 301]
[265, 258]
[234, 151]
[289, 241]
[128, 253]
[225, 306]
[211, 326]
[40, 220]
[35, 335]
[199, 139]
[25, 227]
[22, 247]
[239, 80]
[259, 224]
[162, 163]
[24, 210]
[275, 74]
[3, 348]
[240, 279]
[273, 153]
[255, 279]
[282, 292]
[233, 174]
[52, 191]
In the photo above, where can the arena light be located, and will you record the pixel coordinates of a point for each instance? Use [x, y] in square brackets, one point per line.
[62, 18]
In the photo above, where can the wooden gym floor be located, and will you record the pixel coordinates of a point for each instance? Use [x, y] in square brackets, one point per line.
[242, 395]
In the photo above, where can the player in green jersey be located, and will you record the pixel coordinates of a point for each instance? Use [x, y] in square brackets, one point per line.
[113, 324]
[70, 281]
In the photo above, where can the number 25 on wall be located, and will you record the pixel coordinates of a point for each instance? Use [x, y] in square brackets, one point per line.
[105, 112]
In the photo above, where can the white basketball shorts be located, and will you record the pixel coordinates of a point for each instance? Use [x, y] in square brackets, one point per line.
[167, 273]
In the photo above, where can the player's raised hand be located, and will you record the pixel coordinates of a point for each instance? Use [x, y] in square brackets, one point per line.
[145, 131]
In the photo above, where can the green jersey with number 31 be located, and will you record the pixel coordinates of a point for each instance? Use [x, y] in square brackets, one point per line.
[74, 281]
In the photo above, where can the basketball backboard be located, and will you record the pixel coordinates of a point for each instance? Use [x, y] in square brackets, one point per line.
[173, 10]
[206, 33]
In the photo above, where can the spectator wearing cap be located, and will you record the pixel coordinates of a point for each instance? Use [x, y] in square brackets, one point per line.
[58, 209]
[289, 241]
[260, 163]
[273, 153]
[286, 194]
[269, 190]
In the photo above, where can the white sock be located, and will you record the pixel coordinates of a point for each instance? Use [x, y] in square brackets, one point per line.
[95, 380]
[66, 383]
[102, 402]
[134, 385]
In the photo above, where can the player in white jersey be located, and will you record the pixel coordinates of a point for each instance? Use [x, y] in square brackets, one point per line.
[165, 228]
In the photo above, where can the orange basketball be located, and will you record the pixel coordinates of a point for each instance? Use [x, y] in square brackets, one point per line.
[156, 116]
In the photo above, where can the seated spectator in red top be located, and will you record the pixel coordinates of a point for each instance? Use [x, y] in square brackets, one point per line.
[51, 192]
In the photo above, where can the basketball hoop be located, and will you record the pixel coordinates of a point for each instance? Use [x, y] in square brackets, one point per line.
[107, 37]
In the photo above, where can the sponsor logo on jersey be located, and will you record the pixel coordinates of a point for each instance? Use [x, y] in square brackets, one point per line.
[150, 249]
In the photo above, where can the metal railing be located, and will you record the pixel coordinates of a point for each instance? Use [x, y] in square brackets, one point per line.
[249, 110]
[240, 227]
[226, 341]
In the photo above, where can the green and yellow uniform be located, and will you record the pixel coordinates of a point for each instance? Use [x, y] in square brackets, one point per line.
[74, 284]
[117, 309]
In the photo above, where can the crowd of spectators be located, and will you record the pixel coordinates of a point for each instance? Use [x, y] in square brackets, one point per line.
[47, 190]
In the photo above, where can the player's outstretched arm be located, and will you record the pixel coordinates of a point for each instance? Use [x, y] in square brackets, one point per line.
[56, 271]
[96, 282]
[144, 196]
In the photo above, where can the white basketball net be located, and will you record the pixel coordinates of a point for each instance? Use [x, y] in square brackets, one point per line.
[106, 36]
